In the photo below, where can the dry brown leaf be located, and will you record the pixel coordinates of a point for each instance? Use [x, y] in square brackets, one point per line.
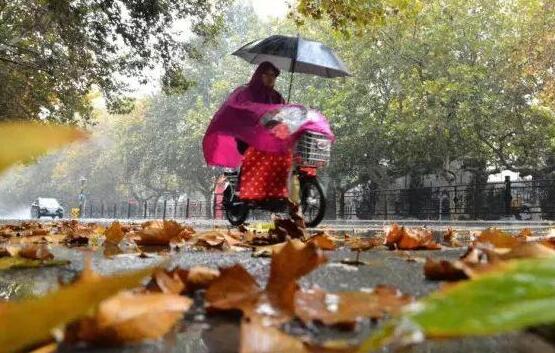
[234, 289]
[364, 244]
[323, 240]
[284, 228]
[130, 318]
[4, 252]
[481, 259]
[166, 282]
[111, 249]
[213, 239]
[237, 289]
[524, 234]
[35, 252]
[181, 280]
[40, 231]
[450, 238]
[550, 243]
[268, 250]
[114, 234]
[345, 308]
[257, 338]
[54, 238]
[200, 277]
[47, 348]
[444, 270]
[498, 239]
[528, 250]
[403, 238]
[292, 262]
[162, 233]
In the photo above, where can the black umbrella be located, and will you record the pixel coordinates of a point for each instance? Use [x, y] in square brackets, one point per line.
[294, 54]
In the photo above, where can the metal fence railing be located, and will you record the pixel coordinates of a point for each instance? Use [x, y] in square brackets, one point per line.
[533, 199]
[521, 199]
[133, 209]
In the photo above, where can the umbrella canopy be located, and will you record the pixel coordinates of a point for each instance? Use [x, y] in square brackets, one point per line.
[294, 54]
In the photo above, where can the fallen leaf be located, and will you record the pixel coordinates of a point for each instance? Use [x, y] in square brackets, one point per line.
[292, 262]
[403, 238]
[444, 270]
[48, 348]
[236, 289]
[524, 234]
[364, 244]
[213, 239]
[323, 240]
[25, 141]
[450, 238]
[4, 253]
[257, 338]
[284, 228]
[168, 282]
[200, 277]
[35, 252]
[528, 250]
[498, 238]
[162, 233]
[268, 250]
[131, 318]
[30, 321]
[347, 307]
[111, 249]
[232, 290]
[7, 263]
[76, 240]
[114, 234]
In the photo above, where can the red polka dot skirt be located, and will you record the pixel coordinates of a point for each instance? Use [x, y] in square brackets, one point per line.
[264, 175]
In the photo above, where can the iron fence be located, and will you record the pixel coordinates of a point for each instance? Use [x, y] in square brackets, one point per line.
[133, 209]
[527, 200]
[533, 199]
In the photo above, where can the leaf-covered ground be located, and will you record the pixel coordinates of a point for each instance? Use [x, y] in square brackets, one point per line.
[254, 292]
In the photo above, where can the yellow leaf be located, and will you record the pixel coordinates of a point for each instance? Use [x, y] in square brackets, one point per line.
[30, 321]
[24, 141]
[20, 262]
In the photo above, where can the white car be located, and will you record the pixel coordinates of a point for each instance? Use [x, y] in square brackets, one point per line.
[46, 207]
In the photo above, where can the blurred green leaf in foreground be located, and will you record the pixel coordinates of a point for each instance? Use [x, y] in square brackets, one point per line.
[517, 295]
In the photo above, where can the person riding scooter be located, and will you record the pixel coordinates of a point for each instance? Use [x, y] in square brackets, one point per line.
[278, 146]
[267, 160]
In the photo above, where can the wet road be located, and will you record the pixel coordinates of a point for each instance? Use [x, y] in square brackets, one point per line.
[197, 333]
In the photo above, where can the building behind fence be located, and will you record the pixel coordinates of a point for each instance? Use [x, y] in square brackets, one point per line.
[530, 199]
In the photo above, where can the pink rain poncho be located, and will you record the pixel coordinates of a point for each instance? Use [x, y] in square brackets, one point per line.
[239, 119]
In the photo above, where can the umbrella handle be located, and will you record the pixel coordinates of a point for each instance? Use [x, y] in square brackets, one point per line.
[293, 65]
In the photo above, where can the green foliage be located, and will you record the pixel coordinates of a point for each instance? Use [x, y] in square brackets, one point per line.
[440, 81]
[53, 52]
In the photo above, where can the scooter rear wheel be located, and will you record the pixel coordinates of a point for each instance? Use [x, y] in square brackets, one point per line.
[313, 201]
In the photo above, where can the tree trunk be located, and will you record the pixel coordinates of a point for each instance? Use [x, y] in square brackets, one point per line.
[331, 209]
[209, 204]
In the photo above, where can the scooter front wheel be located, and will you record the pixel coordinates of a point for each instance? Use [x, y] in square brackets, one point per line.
[235, 212]
[313, 201]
